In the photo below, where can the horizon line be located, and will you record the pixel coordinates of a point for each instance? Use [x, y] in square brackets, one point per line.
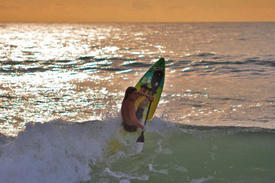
[90, 22]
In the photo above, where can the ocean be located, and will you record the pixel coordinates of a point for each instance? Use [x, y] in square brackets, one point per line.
[61, 88]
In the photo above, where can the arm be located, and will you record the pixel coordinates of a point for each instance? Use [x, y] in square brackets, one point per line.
[149, 97]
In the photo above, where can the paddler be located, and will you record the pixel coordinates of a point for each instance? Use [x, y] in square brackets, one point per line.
[130, 122]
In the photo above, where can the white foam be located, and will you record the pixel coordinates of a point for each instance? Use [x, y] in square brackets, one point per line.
[161, 150]
[125, 176]
[201, 180]
[163, 171]
[56, 151]
[61, 151]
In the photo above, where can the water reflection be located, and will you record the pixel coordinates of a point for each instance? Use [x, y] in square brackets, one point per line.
[79, 72]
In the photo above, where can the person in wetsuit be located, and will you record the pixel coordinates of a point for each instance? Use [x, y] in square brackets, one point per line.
[130, 122]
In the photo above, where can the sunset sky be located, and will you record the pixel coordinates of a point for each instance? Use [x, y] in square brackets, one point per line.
[136, 10]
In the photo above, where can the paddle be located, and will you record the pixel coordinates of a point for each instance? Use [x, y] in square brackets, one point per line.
[140, 140]
[155, 82]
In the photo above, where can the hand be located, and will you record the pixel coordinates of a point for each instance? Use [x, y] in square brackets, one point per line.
[150, 98]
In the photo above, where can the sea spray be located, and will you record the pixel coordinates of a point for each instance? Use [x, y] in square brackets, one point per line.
[56, 151]
[62, 151]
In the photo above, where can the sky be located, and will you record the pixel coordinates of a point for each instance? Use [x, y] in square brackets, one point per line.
[137, 10]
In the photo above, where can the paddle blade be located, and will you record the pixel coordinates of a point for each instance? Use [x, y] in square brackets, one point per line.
[140, 143]
[141, 138]
[139, 147]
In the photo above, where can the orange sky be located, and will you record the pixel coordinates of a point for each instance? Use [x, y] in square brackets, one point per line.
[136, 10]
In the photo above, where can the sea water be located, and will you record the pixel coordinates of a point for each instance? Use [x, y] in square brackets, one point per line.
[61, 87]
